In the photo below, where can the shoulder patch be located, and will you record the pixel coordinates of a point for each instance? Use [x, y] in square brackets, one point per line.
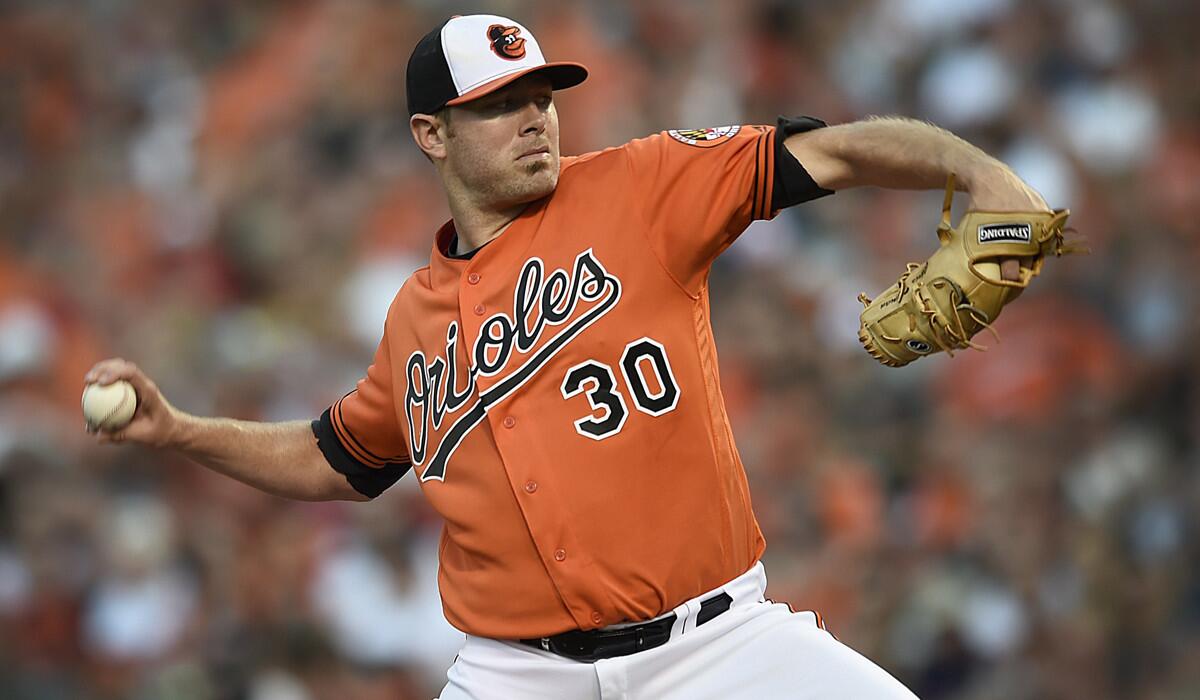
[705, 138]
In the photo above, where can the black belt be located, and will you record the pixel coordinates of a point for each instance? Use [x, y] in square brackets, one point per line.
[594, 645]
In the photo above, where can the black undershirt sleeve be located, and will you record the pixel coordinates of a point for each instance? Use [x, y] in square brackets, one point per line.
[793, 184]
[367, 480]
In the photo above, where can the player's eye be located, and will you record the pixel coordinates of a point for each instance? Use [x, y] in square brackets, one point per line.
[500, 106]
[512, 103]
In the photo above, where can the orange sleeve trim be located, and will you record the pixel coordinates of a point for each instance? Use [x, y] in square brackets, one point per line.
[762, 181]
[759, 185]
[352, 443]
[768, 172]
[347, 440]
[754, 192]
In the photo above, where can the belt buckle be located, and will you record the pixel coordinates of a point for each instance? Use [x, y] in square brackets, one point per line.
[545, 643]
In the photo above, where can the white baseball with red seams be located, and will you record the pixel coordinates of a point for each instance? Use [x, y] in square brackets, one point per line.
[109, 407]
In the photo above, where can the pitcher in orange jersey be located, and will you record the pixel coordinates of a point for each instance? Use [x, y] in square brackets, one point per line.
[551, 379]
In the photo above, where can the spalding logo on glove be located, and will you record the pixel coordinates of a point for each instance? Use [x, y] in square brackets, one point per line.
[942, 303]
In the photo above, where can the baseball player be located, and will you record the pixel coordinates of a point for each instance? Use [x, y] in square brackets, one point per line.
[550, 378]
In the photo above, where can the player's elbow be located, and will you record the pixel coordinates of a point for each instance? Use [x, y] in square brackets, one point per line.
[353, 495]
[319, 482]
[334, 486]
[819, 152]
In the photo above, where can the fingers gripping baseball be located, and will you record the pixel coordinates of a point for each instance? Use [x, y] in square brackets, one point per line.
[153, 417]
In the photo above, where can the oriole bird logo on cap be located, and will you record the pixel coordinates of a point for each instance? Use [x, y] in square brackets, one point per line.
[507, 42]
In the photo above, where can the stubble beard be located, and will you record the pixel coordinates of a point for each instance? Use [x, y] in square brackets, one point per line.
[525, 183]
[535, 167]
[534, 182]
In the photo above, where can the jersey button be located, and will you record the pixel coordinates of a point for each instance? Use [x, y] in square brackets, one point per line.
[530, 486]
[596, 618]
[509, 421]
[473, 278]
[479, 309]
[560, 554]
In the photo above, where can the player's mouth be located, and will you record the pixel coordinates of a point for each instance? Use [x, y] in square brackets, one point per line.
[535, 153]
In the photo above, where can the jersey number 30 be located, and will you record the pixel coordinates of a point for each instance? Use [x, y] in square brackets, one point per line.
[648, 375]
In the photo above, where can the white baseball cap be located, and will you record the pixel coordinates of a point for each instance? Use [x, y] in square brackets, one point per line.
[470, 56]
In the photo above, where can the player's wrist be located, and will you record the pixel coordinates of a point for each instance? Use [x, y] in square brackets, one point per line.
[996, 187]
[981, 175]
[181, 431]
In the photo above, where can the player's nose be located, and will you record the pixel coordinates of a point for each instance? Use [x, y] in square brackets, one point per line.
[533, 118]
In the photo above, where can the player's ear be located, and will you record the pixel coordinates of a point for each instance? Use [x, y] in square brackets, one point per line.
[430, 132]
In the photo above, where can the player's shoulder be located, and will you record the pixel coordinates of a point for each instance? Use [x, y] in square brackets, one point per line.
[683, 140]
[697, 140]
[711, 136]
[410, 300]
[587, 171]
[600, 158]
[419, 281]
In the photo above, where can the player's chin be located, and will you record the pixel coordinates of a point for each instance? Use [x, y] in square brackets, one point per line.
[538, 179]
[539, 166]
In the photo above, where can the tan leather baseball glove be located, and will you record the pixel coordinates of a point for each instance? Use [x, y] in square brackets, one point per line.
[942, 303]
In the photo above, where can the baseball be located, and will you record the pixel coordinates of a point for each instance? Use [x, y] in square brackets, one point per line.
[109, 407]
[988, 269]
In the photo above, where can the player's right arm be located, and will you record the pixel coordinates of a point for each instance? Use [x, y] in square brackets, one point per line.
[280, 458]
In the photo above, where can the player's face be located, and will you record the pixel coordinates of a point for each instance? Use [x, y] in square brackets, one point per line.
[503, 148]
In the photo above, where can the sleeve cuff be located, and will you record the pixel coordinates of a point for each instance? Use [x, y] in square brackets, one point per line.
[367, 480]
[793, 185]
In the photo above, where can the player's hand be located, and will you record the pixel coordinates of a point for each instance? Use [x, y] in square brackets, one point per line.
[999, 189]
[154, 422]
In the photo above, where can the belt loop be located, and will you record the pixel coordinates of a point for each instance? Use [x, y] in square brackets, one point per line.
[689, 621]
[680, 621]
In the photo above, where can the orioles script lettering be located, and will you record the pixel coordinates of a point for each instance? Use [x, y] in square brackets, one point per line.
[566, 301]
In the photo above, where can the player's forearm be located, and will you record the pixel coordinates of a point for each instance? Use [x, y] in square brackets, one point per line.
[895, 153]
[279, 458]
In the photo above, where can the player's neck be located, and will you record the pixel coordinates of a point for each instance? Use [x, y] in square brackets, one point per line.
[478, 225]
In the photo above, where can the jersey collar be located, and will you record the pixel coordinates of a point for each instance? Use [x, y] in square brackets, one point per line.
[446, 270]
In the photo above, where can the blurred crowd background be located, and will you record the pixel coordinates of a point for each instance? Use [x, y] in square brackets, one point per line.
[226, 193]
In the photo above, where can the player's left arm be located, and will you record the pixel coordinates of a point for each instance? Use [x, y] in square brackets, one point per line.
[901, 153]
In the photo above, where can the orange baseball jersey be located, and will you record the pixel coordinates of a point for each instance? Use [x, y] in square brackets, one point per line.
[557, 393]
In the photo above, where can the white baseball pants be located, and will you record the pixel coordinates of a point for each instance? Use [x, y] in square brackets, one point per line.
[756, 649]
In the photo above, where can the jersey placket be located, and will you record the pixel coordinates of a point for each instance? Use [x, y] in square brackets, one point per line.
[529, 472]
